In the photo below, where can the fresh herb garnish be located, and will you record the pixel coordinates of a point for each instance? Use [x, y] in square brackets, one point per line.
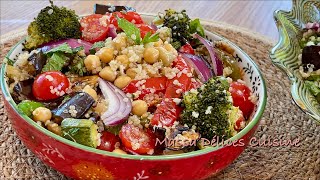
[130, 29]
[150, 38]
[96, 45]
[65, 48]
[195, 27]
[55, 62]
[77, 66]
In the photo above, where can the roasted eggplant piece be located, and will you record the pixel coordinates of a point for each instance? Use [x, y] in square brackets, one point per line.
[78, 83]
[38, 60]
[75, 107]
[310, 55]
[103, 9]
[23, 91]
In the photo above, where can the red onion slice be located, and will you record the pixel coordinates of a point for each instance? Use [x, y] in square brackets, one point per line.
[119, 104]
[216, 62]
[73, 43]
[200, 66]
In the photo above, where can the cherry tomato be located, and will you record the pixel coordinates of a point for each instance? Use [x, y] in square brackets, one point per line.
[187, 48]
[92, 29]
[133, 17]
[144, 29]
[180, 83]
[194, 84]
[167, 113]
[108, 141]
[137, 140]
[240, 123]
[154, 85]
[240, 94]
[50, 85]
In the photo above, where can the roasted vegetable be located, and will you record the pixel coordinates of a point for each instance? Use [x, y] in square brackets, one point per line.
[207, 109]
[27, 107]
[38, 60]
[81, 131]
[52, 23]
[103, 9]
[23, 90]
[75, 107]
[184, 138]
[310, 55]
[78, 83]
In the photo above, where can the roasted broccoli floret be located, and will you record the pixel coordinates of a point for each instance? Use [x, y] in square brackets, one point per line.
[181, 25]
[208, 108]
[52, 23]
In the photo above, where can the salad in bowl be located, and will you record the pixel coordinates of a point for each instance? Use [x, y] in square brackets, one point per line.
[131, 87]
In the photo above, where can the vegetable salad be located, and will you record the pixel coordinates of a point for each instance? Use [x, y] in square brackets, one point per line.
[114, 82]
[310, 58]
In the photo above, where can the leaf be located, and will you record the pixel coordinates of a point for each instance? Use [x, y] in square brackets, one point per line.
[314, 89]
[77, 49]
[195, 27]
[96, 45]
[55, 62]
[150, 38]
[78, 66]
[65, 48]
[130, 29]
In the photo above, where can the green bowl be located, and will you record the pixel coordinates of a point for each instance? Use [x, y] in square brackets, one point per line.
[285, 53]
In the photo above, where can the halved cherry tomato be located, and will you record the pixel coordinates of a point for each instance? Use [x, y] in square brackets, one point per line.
[153, 85]
[50, 85]
[180, 83]
[108, 141]
[92, 29]
[132, 17]
[137, 140]
[194, 84]
[187, 48]
[144, 29]
[240, 94]
[167, 113]
[240, 123]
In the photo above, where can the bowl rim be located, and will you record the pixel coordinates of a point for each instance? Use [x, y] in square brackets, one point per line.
[254, 121]
[294, 80]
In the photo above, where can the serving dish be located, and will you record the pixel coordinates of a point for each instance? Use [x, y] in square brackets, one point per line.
[81, 162]
[285, 53]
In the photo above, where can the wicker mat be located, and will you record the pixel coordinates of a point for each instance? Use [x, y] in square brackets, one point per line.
[281, 120]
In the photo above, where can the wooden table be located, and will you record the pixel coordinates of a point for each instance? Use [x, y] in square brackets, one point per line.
[254, 15]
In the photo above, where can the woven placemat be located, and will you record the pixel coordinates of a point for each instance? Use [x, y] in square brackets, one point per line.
[281, 120]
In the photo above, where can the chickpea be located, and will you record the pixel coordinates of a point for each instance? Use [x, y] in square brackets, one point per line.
[54, 127]
[108, 74]
[122, 81]
[92, 63]
[119, 151]
[88, 89]
[131, 73]
[151, 55]
[123, 59]
[42, 114]
[139, 107]
[105, 54]
[120, 42]
[165, 56]
[158, 44]
[170, 48]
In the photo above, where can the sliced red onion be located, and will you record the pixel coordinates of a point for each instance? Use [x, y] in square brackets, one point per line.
[200, 66]
[313, 25]
[112, 31]
[73, 43]
[216, 62]
[119, 105]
